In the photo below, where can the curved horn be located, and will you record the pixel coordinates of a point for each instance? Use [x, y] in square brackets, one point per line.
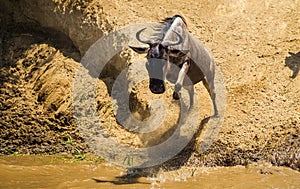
[138, 37]
[172, 43]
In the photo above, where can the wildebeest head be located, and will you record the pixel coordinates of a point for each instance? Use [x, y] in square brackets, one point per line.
[158, 53]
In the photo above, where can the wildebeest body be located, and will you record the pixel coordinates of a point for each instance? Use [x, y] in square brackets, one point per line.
[179, 47]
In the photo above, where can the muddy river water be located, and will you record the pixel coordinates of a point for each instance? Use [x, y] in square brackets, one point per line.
[54, 172]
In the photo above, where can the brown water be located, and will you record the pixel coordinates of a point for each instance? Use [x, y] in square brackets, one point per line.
[53, 172]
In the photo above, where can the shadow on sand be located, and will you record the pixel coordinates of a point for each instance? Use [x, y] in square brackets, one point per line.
[293, 63]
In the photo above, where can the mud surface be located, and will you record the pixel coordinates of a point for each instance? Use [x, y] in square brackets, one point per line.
[255, 44]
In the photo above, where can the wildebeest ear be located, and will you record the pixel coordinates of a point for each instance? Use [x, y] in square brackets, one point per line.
[140, 50]
[177, 53]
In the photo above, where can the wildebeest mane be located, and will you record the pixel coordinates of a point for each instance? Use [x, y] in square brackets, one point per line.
[170, 20]
[164, 25]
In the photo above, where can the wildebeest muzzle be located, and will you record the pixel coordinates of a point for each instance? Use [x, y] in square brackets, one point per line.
[156, 69]
[157, 86]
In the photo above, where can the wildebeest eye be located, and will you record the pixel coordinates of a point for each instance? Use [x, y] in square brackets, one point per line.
[160, 47]
[177, 53]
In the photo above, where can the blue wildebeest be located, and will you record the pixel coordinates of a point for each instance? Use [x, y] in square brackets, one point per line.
[176, 45]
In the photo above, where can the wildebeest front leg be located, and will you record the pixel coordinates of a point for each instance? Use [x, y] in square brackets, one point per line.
[182, 73]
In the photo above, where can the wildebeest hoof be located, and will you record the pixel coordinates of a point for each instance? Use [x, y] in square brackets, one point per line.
[175, 95]
[177, 87]
[216, 115]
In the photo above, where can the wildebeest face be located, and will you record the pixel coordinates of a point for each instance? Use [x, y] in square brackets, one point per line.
[157, 60]
[156, 65]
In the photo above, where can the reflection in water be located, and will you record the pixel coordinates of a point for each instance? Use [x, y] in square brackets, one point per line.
[50, 172]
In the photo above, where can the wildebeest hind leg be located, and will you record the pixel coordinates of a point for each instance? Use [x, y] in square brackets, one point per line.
[190, 90]
[211, 90]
